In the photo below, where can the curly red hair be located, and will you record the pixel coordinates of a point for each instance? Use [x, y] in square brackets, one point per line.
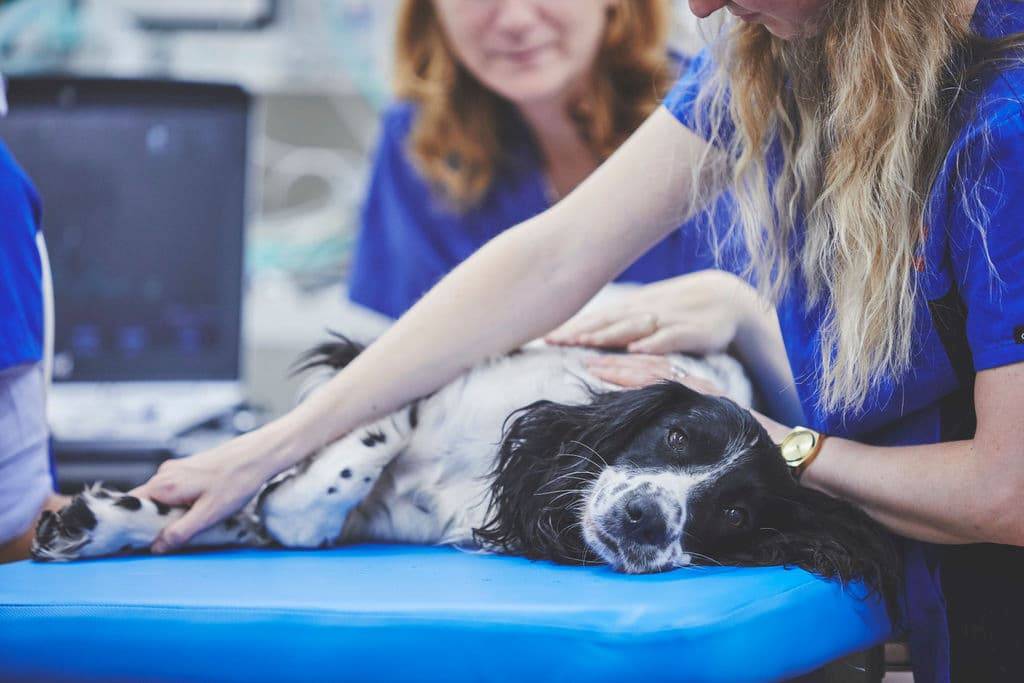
[456, 141]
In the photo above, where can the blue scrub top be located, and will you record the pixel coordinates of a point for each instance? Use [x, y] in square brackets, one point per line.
[410, 237]
[965, 322]
[21, 294]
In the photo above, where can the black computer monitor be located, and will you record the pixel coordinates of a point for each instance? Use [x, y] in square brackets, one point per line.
[144, 203]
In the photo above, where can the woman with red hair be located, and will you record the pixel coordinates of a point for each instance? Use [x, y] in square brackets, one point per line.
[503, 108]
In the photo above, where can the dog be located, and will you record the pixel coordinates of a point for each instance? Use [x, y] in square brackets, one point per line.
[523, 455]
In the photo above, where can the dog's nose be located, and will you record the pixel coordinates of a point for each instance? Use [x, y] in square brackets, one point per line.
[643, 520]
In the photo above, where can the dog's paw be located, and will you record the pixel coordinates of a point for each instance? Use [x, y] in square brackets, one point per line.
[99, 522]
[66, 534]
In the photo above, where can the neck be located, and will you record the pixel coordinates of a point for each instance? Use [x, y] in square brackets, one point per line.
[566, 157]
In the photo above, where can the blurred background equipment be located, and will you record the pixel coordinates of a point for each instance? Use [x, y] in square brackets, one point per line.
[145, 212]
[144, 184]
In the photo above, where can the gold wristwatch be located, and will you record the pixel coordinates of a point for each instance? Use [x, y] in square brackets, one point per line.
[799, 448]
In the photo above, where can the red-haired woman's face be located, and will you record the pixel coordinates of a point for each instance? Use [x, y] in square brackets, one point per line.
[527, 51]
[784, 18]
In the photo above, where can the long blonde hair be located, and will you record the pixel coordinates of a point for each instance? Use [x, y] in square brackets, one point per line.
[457, 138]
[856, 122]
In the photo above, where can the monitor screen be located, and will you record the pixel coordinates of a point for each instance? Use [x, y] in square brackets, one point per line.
[143, 193]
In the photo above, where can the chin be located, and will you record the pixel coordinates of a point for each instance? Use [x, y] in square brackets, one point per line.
[526, 89]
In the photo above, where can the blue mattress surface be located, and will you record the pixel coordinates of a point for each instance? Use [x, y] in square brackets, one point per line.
[399, 613]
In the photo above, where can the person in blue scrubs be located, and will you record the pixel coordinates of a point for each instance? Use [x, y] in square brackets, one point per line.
[26, 484]
[898, 328]
[414, 229]
[963, 602]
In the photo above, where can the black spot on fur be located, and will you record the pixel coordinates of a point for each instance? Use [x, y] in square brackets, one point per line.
[129, 503]
[332, 490]
[230, 523]
[101, 494]
[127, 548]
[77, 516]
[367, 479]
[371, 439]
[346, 473]
[414, 414]
[241, 534]
[161, 508]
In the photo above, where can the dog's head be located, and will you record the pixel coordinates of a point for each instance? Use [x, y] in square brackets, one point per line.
[661, 477]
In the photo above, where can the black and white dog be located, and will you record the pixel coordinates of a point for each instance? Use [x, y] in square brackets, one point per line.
[645, 480]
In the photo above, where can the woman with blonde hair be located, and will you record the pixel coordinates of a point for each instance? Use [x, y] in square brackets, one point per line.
[876, 152]
[502, 109]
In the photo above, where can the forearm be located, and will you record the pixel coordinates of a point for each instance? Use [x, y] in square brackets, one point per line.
[494, 302]
[941, 493]
[954, 492]
[760, 347]
[521, 285]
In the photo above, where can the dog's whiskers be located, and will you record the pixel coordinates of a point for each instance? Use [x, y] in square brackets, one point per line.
[592, 450]
[568, 476]
[562, 492]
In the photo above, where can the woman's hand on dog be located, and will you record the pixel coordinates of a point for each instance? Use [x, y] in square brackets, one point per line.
[640, 370]
[213, 484]
[699, 313]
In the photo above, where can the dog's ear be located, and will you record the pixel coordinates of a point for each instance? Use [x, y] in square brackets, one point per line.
[828, 537]
[543, 467]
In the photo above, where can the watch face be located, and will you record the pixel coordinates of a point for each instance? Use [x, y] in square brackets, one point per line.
[796, 446]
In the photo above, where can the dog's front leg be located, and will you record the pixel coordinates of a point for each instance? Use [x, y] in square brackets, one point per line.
[101, 522]
[307, 506]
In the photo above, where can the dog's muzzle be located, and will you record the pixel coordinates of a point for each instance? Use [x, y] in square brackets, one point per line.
[635, 526]
[643, 519]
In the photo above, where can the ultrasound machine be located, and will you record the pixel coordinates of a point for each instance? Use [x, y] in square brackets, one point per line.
[143, 186]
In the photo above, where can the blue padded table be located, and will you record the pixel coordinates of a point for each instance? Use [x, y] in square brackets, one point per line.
[400, 613]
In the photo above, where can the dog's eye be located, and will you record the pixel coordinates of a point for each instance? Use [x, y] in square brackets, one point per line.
[677, 439]
[736, 517]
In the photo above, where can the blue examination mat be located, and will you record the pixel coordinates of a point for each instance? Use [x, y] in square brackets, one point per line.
[401, 613]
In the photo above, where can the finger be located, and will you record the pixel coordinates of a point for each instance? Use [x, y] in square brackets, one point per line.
[671, 339]
[199, 517]
[649, 363]
[571, 330]
[702, 386]
[624, 377]
[172, 491]
[621, 332]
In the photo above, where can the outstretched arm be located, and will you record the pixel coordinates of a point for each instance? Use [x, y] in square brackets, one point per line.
[522, 284]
